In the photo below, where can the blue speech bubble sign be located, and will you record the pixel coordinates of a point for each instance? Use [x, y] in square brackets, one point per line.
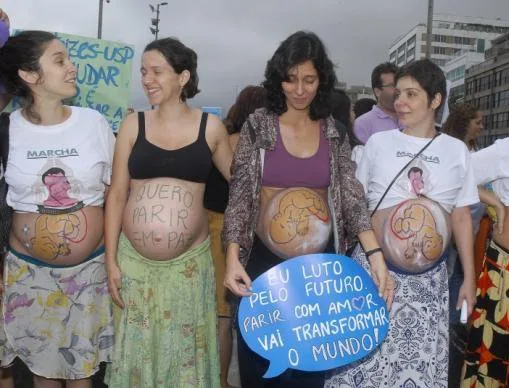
[313, 313]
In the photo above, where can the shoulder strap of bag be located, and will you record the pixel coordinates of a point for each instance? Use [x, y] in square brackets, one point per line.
[400, 171]
[4, 138]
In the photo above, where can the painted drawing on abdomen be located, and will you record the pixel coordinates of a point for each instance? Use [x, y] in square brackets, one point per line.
[294, 213]
[61, 220]
[53, 233]
[414, 222]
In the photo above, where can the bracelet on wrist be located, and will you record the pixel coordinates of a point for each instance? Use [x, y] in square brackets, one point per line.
[373, 251]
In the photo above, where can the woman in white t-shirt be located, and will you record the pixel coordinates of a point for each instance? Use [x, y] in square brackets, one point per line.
[486, 355]
[419, 185]
[56, 314]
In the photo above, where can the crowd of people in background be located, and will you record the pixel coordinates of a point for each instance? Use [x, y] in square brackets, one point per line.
[135, 251]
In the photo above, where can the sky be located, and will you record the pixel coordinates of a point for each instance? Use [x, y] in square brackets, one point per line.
[235, 38]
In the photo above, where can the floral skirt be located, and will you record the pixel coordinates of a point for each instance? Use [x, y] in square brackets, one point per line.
[487, 355]
[415, 352]
[166, 335]
[57, 320]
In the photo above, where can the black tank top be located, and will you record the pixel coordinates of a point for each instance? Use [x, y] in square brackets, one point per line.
[216, 192]
[192, 162]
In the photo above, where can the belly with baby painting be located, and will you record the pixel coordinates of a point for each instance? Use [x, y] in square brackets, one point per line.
[294, 221]
[164, 217]
[413, 234]
[59, 237]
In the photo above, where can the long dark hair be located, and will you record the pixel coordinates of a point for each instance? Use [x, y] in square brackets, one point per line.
[23, 52]
[298, 48]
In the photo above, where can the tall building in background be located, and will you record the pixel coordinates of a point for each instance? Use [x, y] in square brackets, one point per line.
[487, 88]
[455, 70]
[451, 35]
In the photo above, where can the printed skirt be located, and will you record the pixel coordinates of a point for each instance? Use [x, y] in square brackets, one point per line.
[57, 320]
[415, 351]
[166, 335]
[487, 355]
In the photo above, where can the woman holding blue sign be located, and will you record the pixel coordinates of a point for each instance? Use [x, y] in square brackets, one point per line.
[419, 185]
[293, 188]
[160, 267]
[56, 315]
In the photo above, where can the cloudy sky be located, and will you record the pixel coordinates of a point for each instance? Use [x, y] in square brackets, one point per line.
[235, 38]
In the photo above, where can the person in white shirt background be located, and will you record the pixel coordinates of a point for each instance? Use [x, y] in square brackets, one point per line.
[488, 340]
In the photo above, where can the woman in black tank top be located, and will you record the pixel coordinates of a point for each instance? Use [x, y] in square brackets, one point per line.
[160, 272]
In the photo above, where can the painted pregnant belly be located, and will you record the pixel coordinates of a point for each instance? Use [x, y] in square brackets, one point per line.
[415, 234]
[160, 220]
[296, 221]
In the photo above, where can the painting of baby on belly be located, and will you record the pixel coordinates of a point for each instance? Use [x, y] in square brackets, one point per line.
[297, 222]
[415, 223]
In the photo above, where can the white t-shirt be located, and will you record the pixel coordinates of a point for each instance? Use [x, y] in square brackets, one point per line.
[59, 166]
[442, 172]
[491, 164]
[357, 153]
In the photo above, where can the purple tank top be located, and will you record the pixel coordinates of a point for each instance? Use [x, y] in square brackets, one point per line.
[281, 169]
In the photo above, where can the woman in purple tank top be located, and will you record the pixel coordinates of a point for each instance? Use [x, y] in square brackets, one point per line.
[293, 188]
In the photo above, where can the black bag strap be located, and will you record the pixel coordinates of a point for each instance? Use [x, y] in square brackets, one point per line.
[4, 138]
[400, 171]
[5, 210]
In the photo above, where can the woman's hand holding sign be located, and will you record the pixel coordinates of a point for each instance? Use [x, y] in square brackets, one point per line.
[379, 271]
[236, 278]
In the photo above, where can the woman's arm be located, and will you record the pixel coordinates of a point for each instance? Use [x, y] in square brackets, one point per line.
[463, 235]
[239, 212]
[116, 201]
[358, 223]
[353, 201]
[222, 154]
[236, 278]
[379, 271]
[490, 199]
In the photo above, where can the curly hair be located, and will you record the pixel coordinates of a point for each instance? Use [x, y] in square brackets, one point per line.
[249, 99]
[180, 57]
[298, 48]
[457, 122]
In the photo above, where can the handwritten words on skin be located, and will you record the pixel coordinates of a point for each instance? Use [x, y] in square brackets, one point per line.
[173, 211]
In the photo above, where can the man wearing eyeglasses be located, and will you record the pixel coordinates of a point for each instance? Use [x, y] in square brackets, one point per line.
[382, 116]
